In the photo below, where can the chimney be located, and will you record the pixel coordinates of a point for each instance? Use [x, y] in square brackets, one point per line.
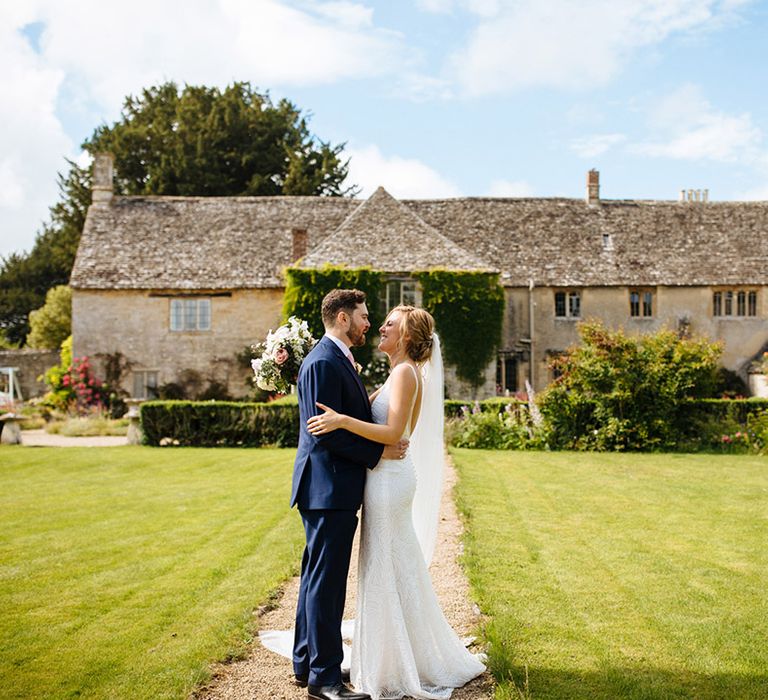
[103, 171]
[694, 196]
[298, 243]
[593, 187]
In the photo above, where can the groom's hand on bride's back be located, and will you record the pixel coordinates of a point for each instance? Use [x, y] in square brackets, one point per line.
[396, 451]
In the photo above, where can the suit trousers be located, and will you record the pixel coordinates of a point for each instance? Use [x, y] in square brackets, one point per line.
[318, 649]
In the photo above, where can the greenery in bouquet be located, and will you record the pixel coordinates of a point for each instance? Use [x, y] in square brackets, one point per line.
[281, 356]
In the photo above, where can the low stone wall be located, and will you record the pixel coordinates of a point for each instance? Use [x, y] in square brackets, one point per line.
[30, 364]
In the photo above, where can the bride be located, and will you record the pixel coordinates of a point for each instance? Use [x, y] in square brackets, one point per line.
[402, 643]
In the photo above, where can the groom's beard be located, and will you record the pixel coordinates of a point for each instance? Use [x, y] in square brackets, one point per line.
[356, 335]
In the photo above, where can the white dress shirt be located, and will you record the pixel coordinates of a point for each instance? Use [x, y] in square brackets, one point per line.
[343, 347]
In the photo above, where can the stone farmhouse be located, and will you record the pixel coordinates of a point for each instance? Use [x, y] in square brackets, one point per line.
[181, 285]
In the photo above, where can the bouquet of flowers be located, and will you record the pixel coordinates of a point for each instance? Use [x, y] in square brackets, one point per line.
[281, 356]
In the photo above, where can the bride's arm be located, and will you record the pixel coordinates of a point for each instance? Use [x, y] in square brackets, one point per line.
[402, 389]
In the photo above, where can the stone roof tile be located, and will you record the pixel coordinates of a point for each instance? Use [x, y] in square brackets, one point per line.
[384, 234]
[245, 242]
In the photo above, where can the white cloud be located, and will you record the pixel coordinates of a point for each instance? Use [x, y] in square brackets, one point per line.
[691, 129]
[596, 144]
[401, 177]
[93, 53]
[32, 140]
[565, 44]
[436, 6]
[510, 188]
[348, 14]
[484, 8]
[111, 50]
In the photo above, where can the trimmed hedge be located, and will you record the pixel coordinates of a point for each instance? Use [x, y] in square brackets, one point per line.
[737, 410]
[234, 424]
[219, 424]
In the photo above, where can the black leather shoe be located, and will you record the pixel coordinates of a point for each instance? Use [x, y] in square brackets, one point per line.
[334, 692]
[302, 681]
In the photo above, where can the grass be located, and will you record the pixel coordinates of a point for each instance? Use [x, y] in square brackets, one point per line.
[618, 575]
[125, 571]
[88, 426]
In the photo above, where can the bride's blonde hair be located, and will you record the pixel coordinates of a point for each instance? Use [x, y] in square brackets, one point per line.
[416, 329]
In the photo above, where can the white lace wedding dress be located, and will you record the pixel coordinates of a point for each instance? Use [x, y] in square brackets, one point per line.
[402, 643]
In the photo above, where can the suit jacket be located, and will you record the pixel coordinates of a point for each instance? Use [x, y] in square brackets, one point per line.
[329, 471]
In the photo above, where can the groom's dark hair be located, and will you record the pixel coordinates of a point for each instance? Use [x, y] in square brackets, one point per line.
[340, 300]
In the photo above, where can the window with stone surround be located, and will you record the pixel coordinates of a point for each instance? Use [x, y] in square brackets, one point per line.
[145, 384]
[641, 303]
[399, 291]
[734, 303]
[191, 314]
[568, 304]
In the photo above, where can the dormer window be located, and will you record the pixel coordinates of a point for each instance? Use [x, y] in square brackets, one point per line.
[607, 241]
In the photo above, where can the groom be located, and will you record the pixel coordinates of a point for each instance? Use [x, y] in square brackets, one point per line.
[328, 481]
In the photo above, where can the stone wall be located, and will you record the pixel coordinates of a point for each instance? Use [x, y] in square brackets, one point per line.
[742, 338]
[31, 364]
[136, 324]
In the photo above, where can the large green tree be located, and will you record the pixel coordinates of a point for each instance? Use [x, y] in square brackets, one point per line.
[25, 278]
[197, 141]
[51, 324]
[210, 142]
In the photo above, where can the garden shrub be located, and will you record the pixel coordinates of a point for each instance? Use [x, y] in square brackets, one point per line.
[617, 392]
[722, 425]
[220, 423]
[73, 386]
[494, 425]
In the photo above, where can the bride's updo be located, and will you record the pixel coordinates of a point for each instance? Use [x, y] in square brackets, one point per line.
[416, 329]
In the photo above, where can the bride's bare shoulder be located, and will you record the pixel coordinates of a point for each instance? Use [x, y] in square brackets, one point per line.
[405, 374]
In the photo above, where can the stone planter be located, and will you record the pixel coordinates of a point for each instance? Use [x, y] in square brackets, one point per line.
[758, 385]
[11, 430]
[135, 434]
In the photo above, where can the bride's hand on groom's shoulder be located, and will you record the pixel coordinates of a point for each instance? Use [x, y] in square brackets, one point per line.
[326, 422]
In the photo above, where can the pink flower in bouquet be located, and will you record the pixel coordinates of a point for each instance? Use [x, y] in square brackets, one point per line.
[281, 356]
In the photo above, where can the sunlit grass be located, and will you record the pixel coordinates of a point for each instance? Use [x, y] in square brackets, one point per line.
[125, 571]
[620, 576]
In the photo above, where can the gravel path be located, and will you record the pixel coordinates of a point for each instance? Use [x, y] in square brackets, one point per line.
[39, 438]
[265, 675]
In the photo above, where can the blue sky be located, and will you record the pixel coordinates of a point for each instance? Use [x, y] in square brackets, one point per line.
[434, 98]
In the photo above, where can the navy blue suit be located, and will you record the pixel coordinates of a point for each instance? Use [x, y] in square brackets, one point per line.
[328, 482]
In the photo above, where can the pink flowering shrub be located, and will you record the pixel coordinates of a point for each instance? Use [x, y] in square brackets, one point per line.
[73, 387]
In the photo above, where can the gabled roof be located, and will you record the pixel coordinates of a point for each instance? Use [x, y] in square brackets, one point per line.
[245, 242]
[384, 234]
[560, 242]
[198, 242]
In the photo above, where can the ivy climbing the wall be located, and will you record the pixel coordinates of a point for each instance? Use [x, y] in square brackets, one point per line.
[468, 308]
[305, 289]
